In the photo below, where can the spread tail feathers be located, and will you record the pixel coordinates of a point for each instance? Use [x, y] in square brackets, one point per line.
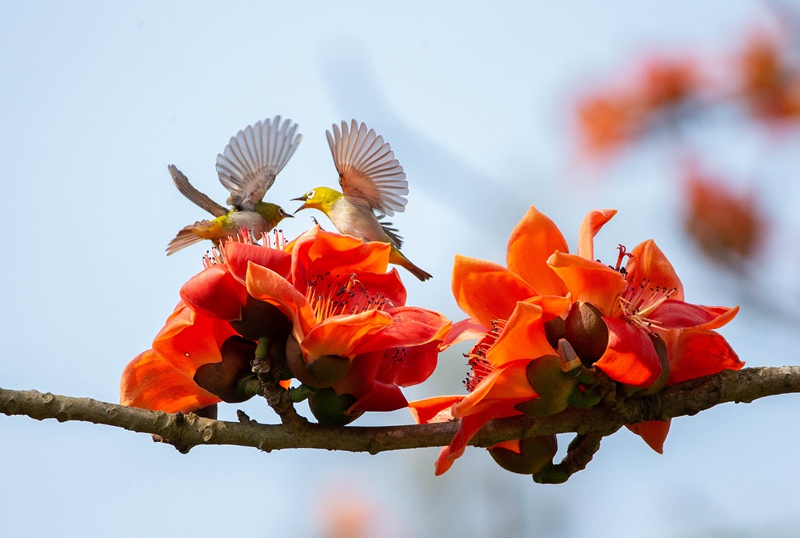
[185, 238]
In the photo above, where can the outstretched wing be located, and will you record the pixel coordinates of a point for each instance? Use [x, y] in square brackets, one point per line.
[252, 159]
[367, 168]
[188, 190]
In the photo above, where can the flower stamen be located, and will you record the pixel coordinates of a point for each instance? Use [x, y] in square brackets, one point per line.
[637, 302]
[477, 361]
[329, 296]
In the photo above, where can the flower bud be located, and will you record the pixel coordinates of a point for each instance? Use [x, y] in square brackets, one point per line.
[261, 319]
[329, 408]
[587, 332]
[323, 372]
[224, 378]
[534, 454]
[555, 330]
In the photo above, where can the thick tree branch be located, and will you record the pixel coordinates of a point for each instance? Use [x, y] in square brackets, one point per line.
[687, 398]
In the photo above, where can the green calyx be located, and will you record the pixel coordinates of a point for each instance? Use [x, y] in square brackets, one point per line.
[330, 408]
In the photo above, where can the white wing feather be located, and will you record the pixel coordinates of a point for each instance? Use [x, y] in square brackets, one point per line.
[251, 160]
[367, 168]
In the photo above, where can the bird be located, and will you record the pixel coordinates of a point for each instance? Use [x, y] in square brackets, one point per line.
[373, 187]
[247, 169]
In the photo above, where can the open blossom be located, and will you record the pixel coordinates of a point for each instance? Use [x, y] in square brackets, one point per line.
[345, 307]
[326, 298]
[630, 322]
[612, 117]
[727, 226]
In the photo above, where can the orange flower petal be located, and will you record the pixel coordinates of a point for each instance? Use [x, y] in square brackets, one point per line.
[431, 410]
[630, 357]
[486, 291]
[532, 241]
[317, 252]
[522, 338]
[502, 389]
[150, 382]
[345, 336]
[589, 281]
[698, 353]
[267, 285]
[680, 315]
[466, 329]
[654, 433]
[237, 255]
[647, 262]
[214, 292]
[188, 340]
[592, 224]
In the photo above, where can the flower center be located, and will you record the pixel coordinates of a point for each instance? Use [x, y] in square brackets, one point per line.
[330, 296]
[477, 361]
[637, 302]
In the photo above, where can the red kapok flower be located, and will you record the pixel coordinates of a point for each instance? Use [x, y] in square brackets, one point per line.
[343, 304]
[162, 378]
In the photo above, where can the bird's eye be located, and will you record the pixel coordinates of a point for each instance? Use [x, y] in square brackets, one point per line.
[281, 212]
[310, 195]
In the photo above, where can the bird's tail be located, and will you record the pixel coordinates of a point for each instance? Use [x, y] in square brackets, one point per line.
[194, 233]
[396, 257]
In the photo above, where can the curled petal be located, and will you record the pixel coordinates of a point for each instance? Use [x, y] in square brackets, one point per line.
[324, 252]
[388, 285]
[345, 336]
[412, 326]
[523, 337]
[486, 291]
[151, 382]
[432, 410]
[589, 281]
[648, 263]
[533, 240]
[466, 329]
[672, 314]
[267, 285]
[630, 357]
[188, 340]
[215, 293]
[698, 353]
[592, 224]
[237, 256]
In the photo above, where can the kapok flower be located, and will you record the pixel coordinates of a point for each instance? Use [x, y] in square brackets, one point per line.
[507, 313]
[727, 226]
[631, 301]
[347, 310]
[176, 374]
[518, 307]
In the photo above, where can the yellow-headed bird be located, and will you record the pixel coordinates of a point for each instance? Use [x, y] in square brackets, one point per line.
[373, 184]
[247, 168]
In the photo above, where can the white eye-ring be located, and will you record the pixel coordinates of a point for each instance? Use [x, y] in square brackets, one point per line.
[281, 212]
[310, 195]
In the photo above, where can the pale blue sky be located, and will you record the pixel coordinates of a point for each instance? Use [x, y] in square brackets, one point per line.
[474, 97]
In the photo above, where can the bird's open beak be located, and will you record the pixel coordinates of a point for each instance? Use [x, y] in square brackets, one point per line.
[300, 199]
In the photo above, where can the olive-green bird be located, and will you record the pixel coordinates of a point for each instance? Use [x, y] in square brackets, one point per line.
[247, 168]
[373, 186]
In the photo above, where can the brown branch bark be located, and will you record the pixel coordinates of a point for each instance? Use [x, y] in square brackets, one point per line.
[687, 398]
